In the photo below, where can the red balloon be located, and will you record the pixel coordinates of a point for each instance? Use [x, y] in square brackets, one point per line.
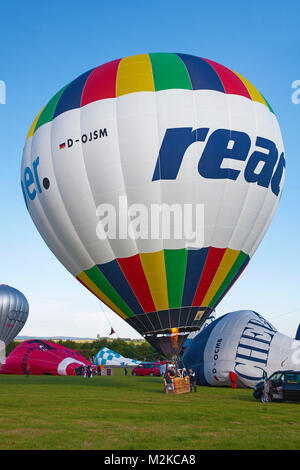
[37, 357]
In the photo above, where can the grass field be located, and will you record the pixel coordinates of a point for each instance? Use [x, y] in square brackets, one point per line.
[133, 413]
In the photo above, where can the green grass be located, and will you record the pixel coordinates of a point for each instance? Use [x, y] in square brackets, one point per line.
[133, 413]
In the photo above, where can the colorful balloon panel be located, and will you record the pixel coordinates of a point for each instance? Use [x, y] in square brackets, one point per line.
[146, 72]
[155, 129]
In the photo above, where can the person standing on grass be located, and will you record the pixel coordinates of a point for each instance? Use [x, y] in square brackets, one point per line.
[193, 382]
[28, 370]
[266, 396]
[233, 378]
[168, 382]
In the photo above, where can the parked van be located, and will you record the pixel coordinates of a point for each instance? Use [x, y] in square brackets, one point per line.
[284, 386]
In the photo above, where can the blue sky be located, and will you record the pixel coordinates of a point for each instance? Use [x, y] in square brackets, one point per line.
[45, 45]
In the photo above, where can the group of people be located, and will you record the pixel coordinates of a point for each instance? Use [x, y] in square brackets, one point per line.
[173, 372]
[88, 371]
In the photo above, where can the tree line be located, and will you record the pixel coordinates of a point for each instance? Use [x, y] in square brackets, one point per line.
[133, 349]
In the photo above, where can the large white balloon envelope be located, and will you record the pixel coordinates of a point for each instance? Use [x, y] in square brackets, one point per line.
[153, 179]
[242, 342]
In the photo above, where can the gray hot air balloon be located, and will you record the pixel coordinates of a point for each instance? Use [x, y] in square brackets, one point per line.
[14, 311]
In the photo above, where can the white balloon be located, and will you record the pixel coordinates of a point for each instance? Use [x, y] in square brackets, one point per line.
[155, 131]
[242, 342]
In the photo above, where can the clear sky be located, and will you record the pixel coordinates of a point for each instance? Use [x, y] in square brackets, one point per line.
[44, 45]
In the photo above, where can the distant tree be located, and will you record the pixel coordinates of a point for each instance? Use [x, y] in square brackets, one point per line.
[133, 349]
[11, 347]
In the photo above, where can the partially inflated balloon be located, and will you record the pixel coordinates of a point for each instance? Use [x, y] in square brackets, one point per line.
[110, 358]
[14, 311]
[153, 179]
[242, 342]
[43, 358]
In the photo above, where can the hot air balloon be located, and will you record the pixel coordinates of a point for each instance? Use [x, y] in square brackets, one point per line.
[43, 358]
[153, 179]
[242, 342]
[14, 311]
[110, 358]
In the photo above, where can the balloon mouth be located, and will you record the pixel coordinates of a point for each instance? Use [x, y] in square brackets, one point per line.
[169, 345]
[166, 330]
[185, 319]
